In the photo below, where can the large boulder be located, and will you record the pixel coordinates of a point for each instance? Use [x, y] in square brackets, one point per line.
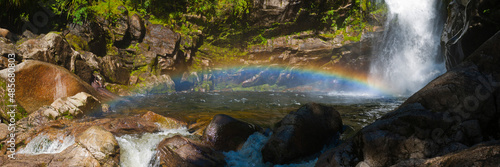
[101, 144]
[162, 40]
[226, 133]
[52, 48]
[453, 112]
[302, 133]
[39, 84]
[179, 151]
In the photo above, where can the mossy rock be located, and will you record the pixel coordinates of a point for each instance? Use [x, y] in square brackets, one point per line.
[77, 42]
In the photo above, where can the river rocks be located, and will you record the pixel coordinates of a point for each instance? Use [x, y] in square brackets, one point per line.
[180, 151]
[75, 106]
[39, 83]
[101, 144]
[226, 133]
[162, 40]
[302, 133]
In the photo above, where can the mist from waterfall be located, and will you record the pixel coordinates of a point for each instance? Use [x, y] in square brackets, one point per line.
[409, 56]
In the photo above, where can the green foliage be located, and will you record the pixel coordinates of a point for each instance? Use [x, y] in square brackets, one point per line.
[221, 55]
[77, 10]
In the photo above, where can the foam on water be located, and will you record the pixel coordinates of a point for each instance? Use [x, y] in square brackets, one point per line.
[43, 144]
[138, 150]
[409, 56]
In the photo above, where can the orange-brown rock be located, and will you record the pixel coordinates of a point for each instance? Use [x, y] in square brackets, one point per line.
[183, 152]
[6, 34]
[39, 84]
[164, 122]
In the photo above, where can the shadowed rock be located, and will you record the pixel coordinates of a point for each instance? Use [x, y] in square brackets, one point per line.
[487, 154]
[302, 133]
[226, 133]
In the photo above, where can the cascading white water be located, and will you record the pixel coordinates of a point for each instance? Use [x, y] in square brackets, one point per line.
[42, 144]
[137, 151]
[409, 56]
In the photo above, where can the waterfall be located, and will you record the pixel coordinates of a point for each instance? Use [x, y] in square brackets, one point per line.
[409, 56]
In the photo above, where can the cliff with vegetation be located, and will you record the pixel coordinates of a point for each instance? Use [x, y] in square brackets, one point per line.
[136, 45]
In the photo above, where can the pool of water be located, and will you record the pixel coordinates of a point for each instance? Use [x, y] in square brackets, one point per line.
[266, 108]
[262, 108]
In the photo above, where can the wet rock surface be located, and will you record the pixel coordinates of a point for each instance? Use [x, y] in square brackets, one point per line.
[302, 133]
[225, 133]
[101, 144]
[180, 151]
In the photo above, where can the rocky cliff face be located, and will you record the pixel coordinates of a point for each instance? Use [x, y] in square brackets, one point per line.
[469, 24]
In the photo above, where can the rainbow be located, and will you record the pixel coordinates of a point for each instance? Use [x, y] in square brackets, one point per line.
[334, 80]
[350, 77]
